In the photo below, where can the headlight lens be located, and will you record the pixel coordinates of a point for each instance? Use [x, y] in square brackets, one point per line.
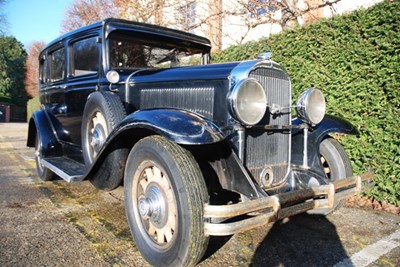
[248, 102]
[112, 76]
[311, 106]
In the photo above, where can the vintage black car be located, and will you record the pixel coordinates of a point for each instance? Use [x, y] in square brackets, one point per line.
[201, 149]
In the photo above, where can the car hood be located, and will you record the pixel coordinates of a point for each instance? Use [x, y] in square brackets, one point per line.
[204, 72]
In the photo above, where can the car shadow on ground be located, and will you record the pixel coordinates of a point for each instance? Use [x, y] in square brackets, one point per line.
[302, 240]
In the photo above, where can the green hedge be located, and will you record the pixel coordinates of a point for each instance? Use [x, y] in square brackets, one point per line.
[5, 99]
[32, 105]
[355, 59]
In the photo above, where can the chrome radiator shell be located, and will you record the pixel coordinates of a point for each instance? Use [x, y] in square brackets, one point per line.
[267, 152]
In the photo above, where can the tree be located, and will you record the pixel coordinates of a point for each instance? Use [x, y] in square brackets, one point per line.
[150, 11]
[12, 70]
[84, 12]
[272, 15]
[235, 19]
[3, 18]
[222, 21]
[32, 68]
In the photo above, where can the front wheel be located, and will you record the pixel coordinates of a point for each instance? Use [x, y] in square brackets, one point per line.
[164, 198]
[336, 166]
[334, 160]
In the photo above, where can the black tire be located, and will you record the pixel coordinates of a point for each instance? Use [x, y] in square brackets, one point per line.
[103, 112]
[43, 172]
[336, 166]
[171, 231]
[334, 159]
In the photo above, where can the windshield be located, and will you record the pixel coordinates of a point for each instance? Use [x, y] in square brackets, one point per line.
[127, 54]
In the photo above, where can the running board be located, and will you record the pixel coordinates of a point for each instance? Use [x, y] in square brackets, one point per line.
[68, 169]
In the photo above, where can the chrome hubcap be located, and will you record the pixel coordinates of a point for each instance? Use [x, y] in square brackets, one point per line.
[98, 138]
[153, 206]
[97, 134]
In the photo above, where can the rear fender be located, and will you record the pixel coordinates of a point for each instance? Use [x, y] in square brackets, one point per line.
[40, 123]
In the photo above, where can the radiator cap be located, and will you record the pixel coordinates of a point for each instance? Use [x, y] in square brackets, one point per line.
[265, 55]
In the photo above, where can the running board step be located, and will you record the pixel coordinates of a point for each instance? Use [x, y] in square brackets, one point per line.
[68, 169]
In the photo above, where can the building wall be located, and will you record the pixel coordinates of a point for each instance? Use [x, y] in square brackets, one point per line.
[226, 22]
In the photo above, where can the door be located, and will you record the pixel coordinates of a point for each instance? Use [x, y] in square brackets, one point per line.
[83, 79]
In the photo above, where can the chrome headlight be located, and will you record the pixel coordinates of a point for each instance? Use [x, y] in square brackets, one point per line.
[311, 106]
[248, 101]
[112, 76]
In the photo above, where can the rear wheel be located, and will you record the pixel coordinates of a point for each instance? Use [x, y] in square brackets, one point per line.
[103, 112]
[164, 198]
[44, 173]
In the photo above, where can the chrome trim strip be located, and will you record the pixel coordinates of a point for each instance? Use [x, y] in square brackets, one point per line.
[242, 70]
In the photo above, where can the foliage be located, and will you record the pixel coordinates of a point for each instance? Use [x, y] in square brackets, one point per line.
[32, 106]
[355, 60]
[84, 12]
[143, 11]
[32, 68]
[12, 70]
[3, 18]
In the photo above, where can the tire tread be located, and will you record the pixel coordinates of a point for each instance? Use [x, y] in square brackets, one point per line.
[193, 181]
[110, 174]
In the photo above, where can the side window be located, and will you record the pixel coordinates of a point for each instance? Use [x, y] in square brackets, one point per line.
[85, 57]
[57, 65]
[42, 72]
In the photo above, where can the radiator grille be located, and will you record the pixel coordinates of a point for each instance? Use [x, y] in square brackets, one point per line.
[271, 149]
[198, 100]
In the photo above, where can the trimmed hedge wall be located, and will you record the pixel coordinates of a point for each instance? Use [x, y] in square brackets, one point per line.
[355, 60]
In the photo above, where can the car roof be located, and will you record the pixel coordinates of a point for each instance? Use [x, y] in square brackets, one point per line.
[121, 24]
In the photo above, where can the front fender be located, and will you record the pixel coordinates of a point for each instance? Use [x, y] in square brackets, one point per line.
[40, 123]
[179, 126]
[330, 124]
[333, 124]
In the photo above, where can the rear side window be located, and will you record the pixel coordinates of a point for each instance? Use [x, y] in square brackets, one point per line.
[42, 70]
[85, 57]
[57, 65]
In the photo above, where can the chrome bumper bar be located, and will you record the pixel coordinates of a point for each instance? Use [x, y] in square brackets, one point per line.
[264, 210]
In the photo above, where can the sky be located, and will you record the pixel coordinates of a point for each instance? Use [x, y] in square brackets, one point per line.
[35, 20]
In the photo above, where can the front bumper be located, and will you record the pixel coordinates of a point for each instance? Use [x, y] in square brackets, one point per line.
[265, 210]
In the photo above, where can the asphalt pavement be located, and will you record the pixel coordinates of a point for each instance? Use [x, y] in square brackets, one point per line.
[61, 224]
